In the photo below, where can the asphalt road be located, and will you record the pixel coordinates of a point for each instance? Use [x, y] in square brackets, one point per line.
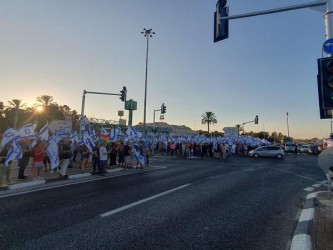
[241, 203]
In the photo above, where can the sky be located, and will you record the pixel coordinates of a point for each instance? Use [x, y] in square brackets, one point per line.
[267, 66]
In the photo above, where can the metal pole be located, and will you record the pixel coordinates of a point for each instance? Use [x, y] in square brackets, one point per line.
[277, 10]
[83, 101]
[329, 19]
[288, 124]
[145, 100]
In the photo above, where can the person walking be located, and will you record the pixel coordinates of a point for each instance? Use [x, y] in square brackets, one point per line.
[103, 158]
[95, 157]
[65, 156]
[121, 160]
[23, 162]
[39, 154]
[84, 157]
[127, 155]
[4, 170]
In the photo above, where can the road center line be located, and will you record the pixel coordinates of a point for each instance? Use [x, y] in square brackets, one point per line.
[142, 201]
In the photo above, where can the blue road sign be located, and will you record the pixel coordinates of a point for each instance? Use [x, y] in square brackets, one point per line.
[328, 46]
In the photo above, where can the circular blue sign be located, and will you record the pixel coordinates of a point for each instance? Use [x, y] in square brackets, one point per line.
[328, 46]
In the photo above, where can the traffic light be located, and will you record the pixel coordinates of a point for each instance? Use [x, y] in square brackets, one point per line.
[123, 93]
[163, 109]
[221, 27]
[256, 119]
[325, 87]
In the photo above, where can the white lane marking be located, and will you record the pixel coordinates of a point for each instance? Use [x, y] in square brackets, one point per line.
[308, 189]
[307, 214]
[79, 182]
[316, 185]
[301, 241]
[314, 195]
[141, 201]
[294, 174]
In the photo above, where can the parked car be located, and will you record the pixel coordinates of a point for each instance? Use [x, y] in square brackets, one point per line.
[290, 147]
[313, 149]
[267, 151]
[304, 149]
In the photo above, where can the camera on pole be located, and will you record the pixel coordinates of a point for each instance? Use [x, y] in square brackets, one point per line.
[123, 93]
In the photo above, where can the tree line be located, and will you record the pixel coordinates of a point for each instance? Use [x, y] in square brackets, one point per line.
[17, 114]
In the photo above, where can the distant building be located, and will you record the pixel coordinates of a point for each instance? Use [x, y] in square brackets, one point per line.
[163, 127]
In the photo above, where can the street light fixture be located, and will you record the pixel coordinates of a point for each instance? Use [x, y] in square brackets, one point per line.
[147, 33]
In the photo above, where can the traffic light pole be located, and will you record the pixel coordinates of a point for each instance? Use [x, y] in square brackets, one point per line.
[91, 92]
[153, 149]
[328, 14]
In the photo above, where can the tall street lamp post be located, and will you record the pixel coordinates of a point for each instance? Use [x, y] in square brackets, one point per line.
[147, 34]
[288, 123]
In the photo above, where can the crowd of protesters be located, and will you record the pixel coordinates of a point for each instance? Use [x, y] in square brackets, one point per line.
[202, 150]
[121, 153]
[103, 156]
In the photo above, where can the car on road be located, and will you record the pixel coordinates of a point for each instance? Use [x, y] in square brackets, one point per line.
[267, 151]
[290, 147]
[313, 149]
[304, 149]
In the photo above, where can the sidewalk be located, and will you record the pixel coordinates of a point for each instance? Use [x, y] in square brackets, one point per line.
[322, 226]
[72, 173]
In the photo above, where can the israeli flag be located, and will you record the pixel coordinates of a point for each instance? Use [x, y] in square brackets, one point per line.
[9, 136]
[84, 124]
[103, 131]
[131, 133]
[140, 158]
[88, 142]
[14, 153]
[27, 131]
[44, 132]
[62, 133]
[73, 136]
[52, 152]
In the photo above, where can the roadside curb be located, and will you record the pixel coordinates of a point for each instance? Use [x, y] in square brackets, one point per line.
[302, 238]
[26, 184]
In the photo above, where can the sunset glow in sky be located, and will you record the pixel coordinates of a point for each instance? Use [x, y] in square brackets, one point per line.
[267, 66]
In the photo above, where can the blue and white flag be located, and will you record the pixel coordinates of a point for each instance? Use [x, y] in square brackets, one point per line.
[140, 158]
[84, 124]
[9, 136]
[132, 133]
[52, 152]
[27, 131]
[14, 153]
[114, 133]
[88, 142]
[104, 132]
[73, 136]
[80, 141]
[63, 133]
[92, 131]
[44, 132]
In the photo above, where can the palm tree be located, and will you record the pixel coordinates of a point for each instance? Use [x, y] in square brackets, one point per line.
[45, 100]
[2, 109]
[15, 105]
[209, 118]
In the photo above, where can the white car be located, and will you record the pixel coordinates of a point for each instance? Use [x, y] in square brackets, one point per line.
[304, 149]
[267, 151]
